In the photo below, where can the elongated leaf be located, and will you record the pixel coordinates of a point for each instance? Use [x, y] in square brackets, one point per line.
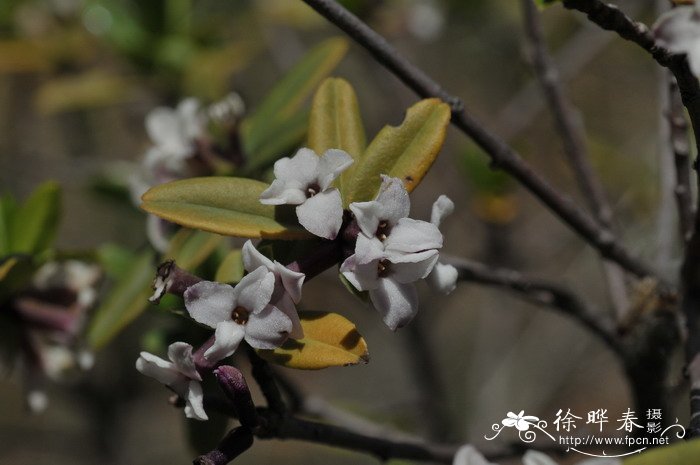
[127, 300]
[286, 98]
[115, 259]
[335, 123]
[681, 453]
[191, 248]
[289, 134]
[36, 221]
[405, 152]
[7, 209]
[329, 340]
[222, 205]
[231, 268]
[15, 274]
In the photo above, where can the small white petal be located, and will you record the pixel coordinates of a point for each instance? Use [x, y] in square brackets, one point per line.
[162, 126]
[280, 193]
[396, 303]
[410, 236]
[180, 354]
[300, 170]
[268, 329]
[532, 457]
[157, 368]
[227, 337]
[190, 119]
[291, 280]
[194, 407]
[253, 259]
[442, 207]
[210, 303]
[368, 249]
[394, 199]
[322, 214]
[286, 305]
[468, 455]
[412, 267]
[332, 163]
[443, 278]
[362, 276]
[367, 215]
[255, 290]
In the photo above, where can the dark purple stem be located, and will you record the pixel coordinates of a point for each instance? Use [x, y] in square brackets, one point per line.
[234, 444]
[328, 254]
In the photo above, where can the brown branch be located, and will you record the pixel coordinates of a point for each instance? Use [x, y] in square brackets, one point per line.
[539, 291]
[570, 127]
[501, 154]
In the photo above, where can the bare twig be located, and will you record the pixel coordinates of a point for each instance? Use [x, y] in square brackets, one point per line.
[680, 145]
[502, 155]
[570, 127]
[539, 291]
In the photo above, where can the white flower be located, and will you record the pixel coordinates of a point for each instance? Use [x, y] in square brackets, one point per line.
[173, 132]
[443, 278]
[520, 421]
[532, 457]
[392, 252]
[678, 30]
[179, 374]
[468, 455]
[306, 180]
[237, 313]
[288, 283]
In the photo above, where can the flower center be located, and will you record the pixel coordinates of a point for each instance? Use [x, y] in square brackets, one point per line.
[240, 315]
[383, 268]
[312, 189]
[383, 230]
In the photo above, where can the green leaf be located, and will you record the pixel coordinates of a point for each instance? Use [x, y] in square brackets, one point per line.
[36, 221]
[115, 259]
[15, 274]
[289, 133]
[287, 97]
[681, 453]
[405, 152]
[329, 340]
[126, 301]
[335, 123]
[222, 205]
[231, 268]
[7, 209]
[191, 248]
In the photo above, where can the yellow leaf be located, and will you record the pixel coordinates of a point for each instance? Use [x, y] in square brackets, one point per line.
[329, 340]
[190, 248]
[231, 268]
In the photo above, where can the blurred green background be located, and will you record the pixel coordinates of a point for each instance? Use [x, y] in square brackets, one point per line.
[77, 78]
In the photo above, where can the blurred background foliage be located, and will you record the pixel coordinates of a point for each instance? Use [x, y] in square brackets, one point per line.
[77, 78]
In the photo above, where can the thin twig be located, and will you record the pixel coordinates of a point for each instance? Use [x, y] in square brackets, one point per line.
[539, 291]
[570, 127]
[680, 145]
[501, 154]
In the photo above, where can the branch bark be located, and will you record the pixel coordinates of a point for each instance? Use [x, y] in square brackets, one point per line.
[501, 154]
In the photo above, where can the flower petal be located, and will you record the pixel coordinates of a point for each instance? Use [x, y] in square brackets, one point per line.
[367, 215]
[292, 281]
[180, 354]
[227, 337]
[282, 193]
[468, 455]
[413, 267]
[190, 119]
[286, 305]
[393, 197]
[322, 214]
[255, 290]
[157, 368]
[332, 163]
[194, 407]
[162, 126]
[268, 329]
[300, 170]
[368, 249]
[362, 276]
[210, 303]
[442, 207]
[443, 278]
[253, 259]
[409, 236]
[397, 303]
